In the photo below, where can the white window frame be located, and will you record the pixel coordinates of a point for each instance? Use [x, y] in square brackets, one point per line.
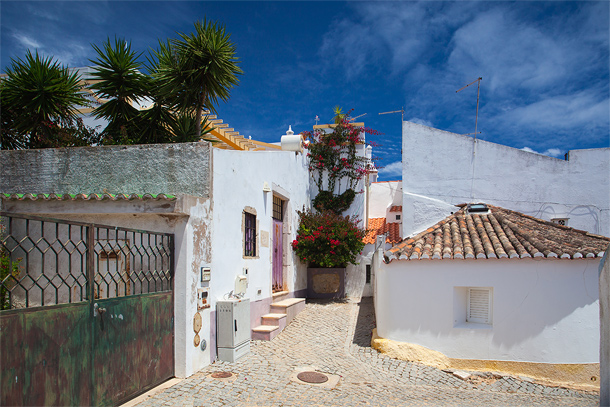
[479, 305]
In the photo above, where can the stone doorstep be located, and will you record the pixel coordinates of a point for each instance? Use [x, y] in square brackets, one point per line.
[265, 332]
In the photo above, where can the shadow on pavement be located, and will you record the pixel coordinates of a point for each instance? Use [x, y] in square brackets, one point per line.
[365, 323]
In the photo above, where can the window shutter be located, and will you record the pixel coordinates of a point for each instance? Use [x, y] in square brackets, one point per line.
[479, 300]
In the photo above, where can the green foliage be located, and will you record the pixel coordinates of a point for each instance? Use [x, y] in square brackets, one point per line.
[9, 270]
[196, 70]
[327, 201]
[39, 100]
[327, 239]
[116, 78]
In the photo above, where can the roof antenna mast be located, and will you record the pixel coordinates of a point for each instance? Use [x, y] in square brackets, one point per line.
[401, 111]
[476, 118]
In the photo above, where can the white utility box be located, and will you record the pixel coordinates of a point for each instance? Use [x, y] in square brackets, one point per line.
[233, 329]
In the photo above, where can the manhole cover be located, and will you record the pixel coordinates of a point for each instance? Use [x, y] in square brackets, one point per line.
[221, 375]
[312, 377]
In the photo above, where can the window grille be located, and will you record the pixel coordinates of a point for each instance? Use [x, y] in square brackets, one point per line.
[249, 235]
[368, 274]
[278, 208]
[479, 305]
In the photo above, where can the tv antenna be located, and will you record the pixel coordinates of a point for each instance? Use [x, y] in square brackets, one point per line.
[401, 111]
[354, 118]
[476, 117]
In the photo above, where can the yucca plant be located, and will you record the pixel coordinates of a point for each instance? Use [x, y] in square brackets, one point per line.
[117, 78]
[40, 97]
[196, 70]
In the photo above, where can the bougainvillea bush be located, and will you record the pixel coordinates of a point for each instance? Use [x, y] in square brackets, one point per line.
[327, 239]
[334, 162]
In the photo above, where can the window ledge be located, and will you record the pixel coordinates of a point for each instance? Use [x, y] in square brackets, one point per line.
[472, 325]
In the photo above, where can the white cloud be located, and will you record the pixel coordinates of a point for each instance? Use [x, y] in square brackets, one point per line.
[393, 169]
[577, 110]
[27, 42]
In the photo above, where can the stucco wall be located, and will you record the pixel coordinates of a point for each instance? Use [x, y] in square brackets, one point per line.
[238, 181]
[544, 311]
[441, 169]
[604, 317]
[382, 195]
[157, 168]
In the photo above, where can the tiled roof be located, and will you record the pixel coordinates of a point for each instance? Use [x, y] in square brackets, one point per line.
[396, 208]
[378, 226]
[500, 234]
[86, 197]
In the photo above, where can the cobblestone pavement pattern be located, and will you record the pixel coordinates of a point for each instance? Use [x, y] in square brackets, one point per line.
[334, 337]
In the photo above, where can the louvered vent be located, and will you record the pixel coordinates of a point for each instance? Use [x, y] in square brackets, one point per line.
[479, 309]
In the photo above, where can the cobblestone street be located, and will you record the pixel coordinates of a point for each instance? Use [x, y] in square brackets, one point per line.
[334, 338]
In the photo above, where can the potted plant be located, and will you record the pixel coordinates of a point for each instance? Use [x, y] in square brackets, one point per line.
[328, 242]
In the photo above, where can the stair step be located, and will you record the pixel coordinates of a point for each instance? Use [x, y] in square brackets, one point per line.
[274, 319]
[265, 332]
[265, 328]
[288, 302]
[290, 306]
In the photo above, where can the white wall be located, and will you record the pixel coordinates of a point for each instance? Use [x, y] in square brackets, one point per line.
[438, 169]
[382, 195]
[237, 183]
[544, 311]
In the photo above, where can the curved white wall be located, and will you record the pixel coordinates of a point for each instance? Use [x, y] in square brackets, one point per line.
[544, 311]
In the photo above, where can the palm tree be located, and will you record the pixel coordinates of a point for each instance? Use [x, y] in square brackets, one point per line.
[197, 70]
[40, 99]
[117, 79]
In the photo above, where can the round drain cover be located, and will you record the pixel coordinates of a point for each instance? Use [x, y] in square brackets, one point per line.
[221, 375]
[312, 377]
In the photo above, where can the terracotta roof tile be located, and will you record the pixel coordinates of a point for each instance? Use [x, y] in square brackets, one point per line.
[502, 233]
[378, 226]
[86, 197]
[396, 208]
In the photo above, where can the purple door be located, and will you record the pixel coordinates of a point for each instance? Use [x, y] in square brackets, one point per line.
[278, 255]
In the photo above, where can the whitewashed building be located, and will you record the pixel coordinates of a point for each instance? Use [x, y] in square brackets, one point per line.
[493, 288]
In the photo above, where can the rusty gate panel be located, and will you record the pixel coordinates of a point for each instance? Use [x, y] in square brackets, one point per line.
[46, 353]
[122, 366]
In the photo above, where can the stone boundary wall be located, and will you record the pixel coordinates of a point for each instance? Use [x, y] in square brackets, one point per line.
[139, 169]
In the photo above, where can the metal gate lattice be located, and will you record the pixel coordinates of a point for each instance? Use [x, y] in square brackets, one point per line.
[48, 262]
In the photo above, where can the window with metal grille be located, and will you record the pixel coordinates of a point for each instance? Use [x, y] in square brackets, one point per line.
[479, 305]
[249, 234]
[368, 274]
[278, 208]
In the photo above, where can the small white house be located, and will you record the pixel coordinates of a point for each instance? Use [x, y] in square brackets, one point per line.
[490, 288]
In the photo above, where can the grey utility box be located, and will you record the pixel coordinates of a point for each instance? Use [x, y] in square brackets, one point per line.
[233, 329]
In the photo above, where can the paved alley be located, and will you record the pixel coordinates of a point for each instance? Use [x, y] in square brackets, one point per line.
[334, 338]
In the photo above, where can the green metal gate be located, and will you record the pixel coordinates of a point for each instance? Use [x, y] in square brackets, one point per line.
[86, 312]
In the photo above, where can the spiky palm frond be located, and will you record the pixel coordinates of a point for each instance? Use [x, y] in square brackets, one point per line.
[116, 78]
[38, 93]
[197, 70]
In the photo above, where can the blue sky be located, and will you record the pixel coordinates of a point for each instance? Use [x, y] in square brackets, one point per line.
[545, 65]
